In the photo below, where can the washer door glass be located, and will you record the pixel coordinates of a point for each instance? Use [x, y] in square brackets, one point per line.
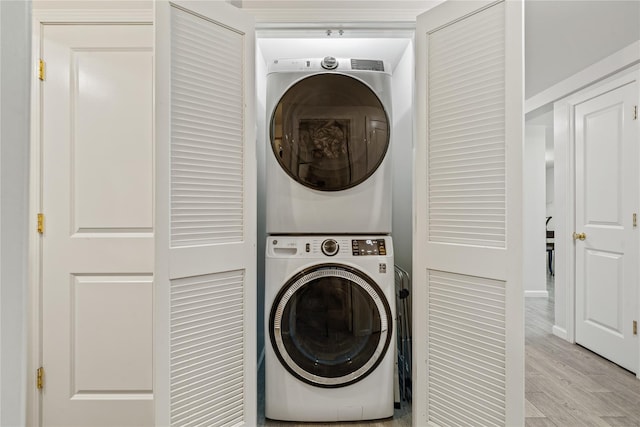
[329, 132]
[330, 326]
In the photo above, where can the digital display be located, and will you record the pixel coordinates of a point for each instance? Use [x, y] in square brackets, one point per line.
[367, 64]
[365, 247]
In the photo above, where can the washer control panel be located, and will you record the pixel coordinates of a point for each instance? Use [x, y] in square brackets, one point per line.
[328, 246]
[364, 247]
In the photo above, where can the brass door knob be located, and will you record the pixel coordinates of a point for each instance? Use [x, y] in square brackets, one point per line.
[579, 236]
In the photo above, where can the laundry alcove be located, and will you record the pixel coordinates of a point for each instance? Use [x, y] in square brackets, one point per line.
[394, 47]
[198, 53]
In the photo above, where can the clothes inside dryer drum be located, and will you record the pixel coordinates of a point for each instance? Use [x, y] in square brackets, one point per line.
[329, 132]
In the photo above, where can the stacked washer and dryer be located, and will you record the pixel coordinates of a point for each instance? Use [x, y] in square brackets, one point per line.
[329, 270]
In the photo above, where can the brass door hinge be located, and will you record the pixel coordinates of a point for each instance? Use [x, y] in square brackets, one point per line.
[41, 223]
[40, 378]
[635, 220]
[42, 72]
[635, 327]
[635, 112]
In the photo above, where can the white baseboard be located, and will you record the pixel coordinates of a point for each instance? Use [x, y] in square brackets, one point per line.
[559, 332]
[536, 294]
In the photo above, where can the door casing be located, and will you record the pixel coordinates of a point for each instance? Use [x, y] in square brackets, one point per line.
[564, 182]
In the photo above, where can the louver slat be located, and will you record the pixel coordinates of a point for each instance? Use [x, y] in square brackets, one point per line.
[466, 164]
[467, 350]
[207, 350]
[206, 132]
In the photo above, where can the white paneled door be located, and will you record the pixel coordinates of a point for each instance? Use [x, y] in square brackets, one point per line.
[205, 266]
[606, 243]
[468, 236]
[97, 247]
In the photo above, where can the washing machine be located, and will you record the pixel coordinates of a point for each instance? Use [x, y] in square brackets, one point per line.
[328, 167]
[329, 332]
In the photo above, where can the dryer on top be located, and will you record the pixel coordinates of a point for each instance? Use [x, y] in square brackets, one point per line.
[328, 166]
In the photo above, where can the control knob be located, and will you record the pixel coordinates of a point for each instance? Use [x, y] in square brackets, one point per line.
[329, 63]
[330, 247]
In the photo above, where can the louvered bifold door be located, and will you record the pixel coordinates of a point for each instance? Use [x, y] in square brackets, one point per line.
[468, 298]
[205, 216]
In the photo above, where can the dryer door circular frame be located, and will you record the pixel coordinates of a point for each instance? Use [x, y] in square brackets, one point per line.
[330, 325]
[329, 132]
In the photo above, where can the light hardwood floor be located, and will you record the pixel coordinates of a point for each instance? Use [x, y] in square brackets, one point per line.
[565, 385]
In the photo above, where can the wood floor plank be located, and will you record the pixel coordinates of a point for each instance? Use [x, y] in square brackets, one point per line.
[530, 410]
[620, 422]
[558, 411]
[540, 422]
[561, 370]
[629, 405]
[623, 382]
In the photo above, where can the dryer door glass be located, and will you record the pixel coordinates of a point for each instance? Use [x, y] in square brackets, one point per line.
[331, 326]
[329, 132]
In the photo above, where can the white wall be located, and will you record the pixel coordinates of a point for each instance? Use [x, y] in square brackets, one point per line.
[549, 193]
[534, 207]
[564, 37]
[402, 156]
[261, 141]
[15, 67]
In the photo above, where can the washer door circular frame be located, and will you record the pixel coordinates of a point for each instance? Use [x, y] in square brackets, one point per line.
[330, 141]
[354, 276]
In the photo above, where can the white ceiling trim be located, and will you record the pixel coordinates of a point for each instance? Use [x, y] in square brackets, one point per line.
[336, 31]
[322, 15]
[58, 16]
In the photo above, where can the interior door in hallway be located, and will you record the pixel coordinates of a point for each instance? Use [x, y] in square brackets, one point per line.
[97, 197]
[606, 243]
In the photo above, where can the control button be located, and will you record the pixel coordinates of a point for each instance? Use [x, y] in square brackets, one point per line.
[307, 247]
[330, 247]
[329, 63]
[356, 253]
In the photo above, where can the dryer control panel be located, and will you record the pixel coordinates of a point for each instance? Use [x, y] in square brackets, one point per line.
[329, 63]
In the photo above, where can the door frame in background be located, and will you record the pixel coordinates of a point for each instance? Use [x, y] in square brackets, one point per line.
[41, 17]
[558, 94]
[564, 177]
